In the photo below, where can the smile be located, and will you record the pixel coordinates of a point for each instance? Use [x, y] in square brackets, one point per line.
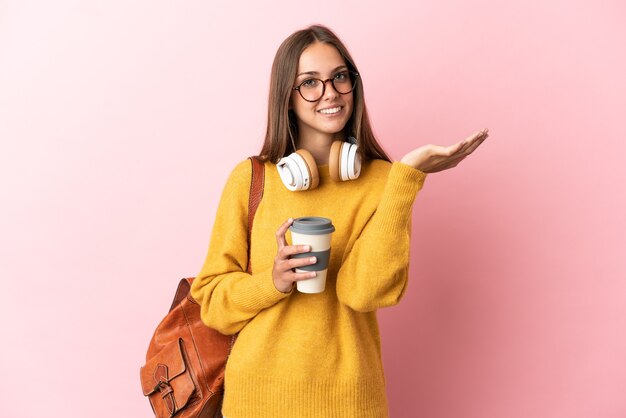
[331, 111]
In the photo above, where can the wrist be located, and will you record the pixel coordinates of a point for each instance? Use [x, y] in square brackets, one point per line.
[411, 164]
[284, 288]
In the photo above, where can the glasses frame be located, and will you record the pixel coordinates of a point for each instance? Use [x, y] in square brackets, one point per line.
[332, 81]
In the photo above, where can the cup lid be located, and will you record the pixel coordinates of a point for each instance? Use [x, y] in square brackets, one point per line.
[312, 225]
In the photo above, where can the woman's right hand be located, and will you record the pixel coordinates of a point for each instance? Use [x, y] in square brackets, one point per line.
[283, 274]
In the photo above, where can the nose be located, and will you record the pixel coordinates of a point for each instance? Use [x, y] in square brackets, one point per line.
[329, 90]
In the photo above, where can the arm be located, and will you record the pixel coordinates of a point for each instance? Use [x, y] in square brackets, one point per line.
[229, 297]
[374, 273]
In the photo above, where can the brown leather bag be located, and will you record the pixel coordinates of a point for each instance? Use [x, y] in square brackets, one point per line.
[184, 371]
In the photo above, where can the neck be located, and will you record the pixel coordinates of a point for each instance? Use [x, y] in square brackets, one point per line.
[318, 145]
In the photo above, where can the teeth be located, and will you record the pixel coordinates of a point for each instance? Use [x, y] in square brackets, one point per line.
[330, 111]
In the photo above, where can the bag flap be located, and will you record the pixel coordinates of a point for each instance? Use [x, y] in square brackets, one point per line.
[164, 366]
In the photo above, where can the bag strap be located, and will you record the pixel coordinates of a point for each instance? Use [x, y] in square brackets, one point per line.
[256, 194]
[184, 286]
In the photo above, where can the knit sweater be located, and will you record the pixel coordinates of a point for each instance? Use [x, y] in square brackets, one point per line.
[309, 355]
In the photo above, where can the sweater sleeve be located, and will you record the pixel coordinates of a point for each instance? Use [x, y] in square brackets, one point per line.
[228, 295]
[374, 273]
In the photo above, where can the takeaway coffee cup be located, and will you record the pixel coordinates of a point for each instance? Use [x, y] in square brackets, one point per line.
[316, 232]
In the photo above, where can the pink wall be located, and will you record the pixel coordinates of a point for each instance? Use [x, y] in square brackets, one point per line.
[120, 121]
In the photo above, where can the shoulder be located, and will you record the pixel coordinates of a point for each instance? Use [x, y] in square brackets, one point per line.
[241, 174]
[242, 168]
[242, 171]
[376, 171]
[240, 177]
[379, 166]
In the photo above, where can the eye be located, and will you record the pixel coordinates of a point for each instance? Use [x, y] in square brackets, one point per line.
[309, 83]
[342, 76]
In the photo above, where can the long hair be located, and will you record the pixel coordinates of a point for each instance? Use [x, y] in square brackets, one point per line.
[282, 124]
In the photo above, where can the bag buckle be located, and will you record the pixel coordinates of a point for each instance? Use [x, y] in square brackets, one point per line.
[164, 387]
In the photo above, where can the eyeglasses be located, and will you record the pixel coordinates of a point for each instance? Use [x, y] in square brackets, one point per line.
[313, 89]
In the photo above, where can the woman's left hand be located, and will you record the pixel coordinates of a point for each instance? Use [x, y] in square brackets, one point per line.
[434, 158]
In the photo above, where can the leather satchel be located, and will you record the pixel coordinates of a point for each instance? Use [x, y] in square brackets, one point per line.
[184, 372]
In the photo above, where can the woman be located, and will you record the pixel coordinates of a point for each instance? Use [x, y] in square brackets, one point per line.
[314, 355]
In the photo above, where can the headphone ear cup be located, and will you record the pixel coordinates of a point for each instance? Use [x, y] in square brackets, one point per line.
[311, 168]
[353, 162]
[334, 161]
[344, 161]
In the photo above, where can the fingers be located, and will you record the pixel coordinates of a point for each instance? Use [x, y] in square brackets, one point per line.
[467, 150]
[293, 263]
[456, 159]
[294, 277]
[284, 263]
[284, 273]
[289, 250]
[472, 142]
[303, 276]
[477, 136]
[454, 162]
[280, 233]
[480, 133]
[471, 146]
[475, 145]
[433, 158]
[473, 137]
[455, 149]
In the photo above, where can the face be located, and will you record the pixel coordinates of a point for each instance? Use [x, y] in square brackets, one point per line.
[331, 112]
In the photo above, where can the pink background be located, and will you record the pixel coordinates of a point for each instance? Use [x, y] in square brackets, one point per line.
[120, 121]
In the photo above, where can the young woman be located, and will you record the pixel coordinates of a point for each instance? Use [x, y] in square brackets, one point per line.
[314, 355]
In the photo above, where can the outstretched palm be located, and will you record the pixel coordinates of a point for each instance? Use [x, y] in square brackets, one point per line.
[434, 158]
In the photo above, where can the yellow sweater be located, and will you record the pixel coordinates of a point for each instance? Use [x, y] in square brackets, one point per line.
[309, 355]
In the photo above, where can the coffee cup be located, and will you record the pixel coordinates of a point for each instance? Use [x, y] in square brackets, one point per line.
[316, 232]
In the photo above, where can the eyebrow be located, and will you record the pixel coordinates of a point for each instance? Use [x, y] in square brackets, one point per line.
[316, 73]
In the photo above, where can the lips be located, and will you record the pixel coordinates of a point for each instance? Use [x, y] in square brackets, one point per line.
[330, 110]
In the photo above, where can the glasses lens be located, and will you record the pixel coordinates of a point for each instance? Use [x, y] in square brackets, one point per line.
[344, 82]
[312, 89]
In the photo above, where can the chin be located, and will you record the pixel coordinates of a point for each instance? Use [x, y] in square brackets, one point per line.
[334, 128]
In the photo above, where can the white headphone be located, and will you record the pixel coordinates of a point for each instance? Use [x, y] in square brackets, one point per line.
[298, 171]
